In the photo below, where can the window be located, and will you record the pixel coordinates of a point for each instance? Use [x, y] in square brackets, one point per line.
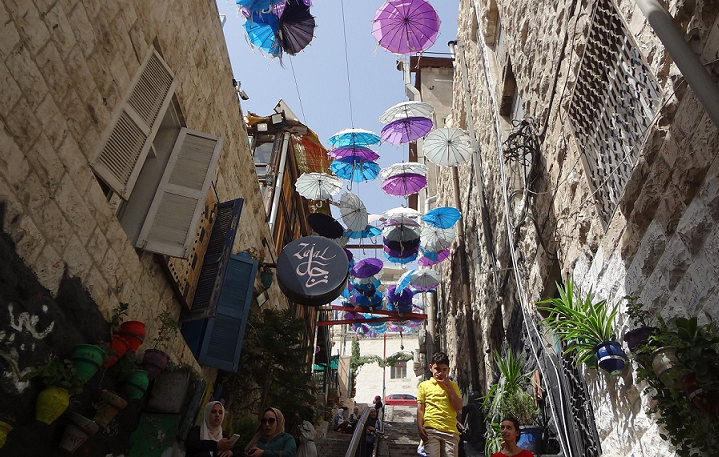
[399, 371]
[263, 154]
[160, 169]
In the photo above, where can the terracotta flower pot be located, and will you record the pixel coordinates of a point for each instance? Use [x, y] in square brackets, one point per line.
[117, 349]
[5, 428]
[112, 404]
[78, 430]
[134, 333]
[87, 360]
[51, 403]
[154, 361]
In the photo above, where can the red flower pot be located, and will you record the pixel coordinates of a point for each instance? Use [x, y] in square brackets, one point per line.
[117, 349]
[134, 333]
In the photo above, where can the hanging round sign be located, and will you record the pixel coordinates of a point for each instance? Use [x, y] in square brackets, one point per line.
[312, 270]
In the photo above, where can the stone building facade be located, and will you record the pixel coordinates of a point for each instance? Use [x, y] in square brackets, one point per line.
[612, 180]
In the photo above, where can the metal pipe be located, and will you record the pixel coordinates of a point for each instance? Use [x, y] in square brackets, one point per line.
[701, 82]
[278, 179]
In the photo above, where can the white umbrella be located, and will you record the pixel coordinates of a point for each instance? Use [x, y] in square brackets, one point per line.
[354, 212]
[401, 220]
[401, 233]
[372, 218]
[401, 211]
[424, 279]
[447, 147]
[406, 109]
[436, 239]
[402, 168]
[318, 186]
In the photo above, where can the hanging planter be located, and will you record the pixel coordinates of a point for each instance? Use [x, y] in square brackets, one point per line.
[87, 360]
[667, 367]
[134, 333]
[118, 348]
[135, 385]
[706, 400]
[5, 428]
[51, 403]
[638, 336]
[154, 361]
[77, 431]
[111, 405]
[610, 357]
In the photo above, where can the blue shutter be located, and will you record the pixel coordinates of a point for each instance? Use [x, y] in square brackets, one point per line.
[224, 334]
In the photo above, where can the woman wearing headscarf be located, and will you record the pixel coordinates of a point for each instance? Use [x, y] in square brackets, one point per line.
[206, 440]
[372, 427]
[305, 438]
[271, 440]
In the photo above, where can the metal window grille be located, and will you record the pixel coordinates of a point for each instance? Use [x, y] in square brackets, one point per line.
[615, 101]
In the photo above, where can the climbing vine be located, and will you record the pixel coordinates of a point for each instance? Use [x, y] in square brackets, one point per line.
[357, 360]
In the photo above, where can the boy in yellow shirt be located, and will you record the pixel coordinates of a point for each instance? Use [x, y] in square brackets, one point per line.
[438, 401]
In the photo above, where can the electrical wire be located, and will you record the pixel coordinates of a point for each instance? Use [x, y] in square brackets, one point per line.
[347, 63]
[297, 87]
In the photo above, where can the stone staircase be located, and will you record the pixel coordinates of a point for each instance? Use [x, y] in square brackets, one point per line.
[400, 432]
[334, 444]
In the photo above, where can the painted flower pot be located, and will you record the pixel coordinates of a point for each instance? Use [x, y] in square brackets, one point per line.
[667, 367]
[707, 401]
[5, 428]
[531, 439]
[638, 336]
[111, 405]
[135, 385]
[610, 357]
[77, 431]
[87, 360]
[117, 349]
[134, 334]
[154, 361]
[51, 403]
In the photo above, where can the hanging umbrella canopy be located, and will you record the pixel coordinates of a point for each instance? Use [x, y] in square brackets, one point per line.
[257, 6]
[401, 233]
[261, 31]
[406, 130]
[401, 211]
[402, 253]
[296, 27]
[372, 302]
[353, 211]
[404, 298]
[355, 170]
[436, 239]
[404, 184]
[406, 26]
[424, 279]
[401, 220]
[447, 147]
[443, 217]
[372, 285]
[429, 258]
[355, 152]
[368, 232]
[367, 267]
[354, 137]
[325, 225]
[407, 109]
[401, 260]
[402, 168]
[318, 186]
[341, 241]
[401, 245]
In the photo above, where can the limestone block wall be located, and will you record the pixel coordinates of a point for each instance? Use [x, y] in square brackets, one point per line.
[65, 67]
[660, 243]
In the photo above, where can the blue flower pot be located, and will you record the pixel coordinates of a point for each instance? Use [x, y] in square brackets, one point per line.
[611, 357]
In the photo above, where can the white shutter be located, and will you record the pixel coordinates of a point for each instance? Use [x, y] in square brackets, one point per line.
[128, 141]
[171, 222]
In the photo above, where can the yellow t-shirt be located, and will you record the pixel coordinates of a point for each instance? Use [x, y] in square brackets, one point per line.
[438, 411]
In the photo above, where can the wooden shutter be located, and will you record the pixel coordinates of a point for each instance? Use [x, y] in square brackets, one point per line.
[214, 264]
[128, 141]
[172, 219]
[224, 334]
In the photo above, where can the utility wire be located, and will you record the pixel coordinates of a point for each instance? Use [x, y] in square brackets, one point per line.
[297, 87]
[347, 63]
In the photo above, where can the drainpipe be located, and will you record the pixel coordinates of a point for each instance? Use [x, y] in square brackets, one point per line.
[431, 304]
[692, 70]
[278, 179]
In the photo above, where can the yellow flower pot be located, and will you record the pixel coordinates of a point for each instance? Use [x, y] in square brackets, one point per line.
[5, 428]
[51, 403]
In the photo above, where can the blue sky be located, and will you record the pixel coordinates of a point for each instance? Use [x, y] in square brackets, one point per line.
[321, 77]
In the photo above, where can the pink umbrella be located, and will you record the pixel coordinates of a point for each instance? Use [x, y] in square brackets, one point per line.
[404, 184]
[406, 130]
[406, 26]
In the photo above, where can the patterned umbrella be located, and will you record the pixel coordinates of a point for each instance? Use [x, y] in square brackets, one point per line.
[443, 217]
[325, 225]
[354, 137]
[406, 109]
[353, 211]
[402, 168]
[355, 170]
[406, 26]
[447, 147]
[367, 267]
[318, 186]
[436, 239]
[368, 232]
[404, 184]
[356, 152]
[401, 211]
[406, 130]
[296, 27]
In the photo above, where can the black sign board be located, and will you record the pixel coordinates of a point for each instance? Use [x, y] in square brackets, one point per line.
[312, 270]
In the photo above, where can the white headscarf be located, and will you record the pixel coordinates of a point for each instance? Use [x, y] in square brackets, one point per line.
[207, 430]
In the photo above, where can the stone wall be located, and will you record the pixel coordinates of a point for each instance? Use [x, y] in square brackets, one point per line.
[660, 244]
[65, 68]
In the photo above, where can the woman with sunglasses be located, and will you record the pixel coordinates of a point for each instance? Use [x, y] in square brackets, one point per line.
[206, 440]
[271, 439]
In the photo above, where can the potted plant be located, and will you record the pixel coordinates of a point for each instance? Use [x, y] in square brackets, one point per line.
[131, 379]
[110, 404]
[117, 348]
[87, 360]
[639, 316]
[78, 430]
[155, 360]
[61, 381]
[133, 332]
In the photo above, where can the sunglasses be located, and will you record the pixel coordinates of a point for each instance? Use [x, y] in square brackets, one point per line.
[270, 420]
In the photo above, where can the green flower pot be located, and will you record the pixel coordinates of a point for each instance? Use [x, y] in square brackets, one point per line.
[87, 360]
[135, 385]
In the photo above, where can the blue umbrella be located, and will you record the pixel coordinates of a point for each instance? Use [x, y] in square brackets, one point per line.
[355, 170]
[401, 260]
[368, 232]
[403, 281]
[262, 32]
[443, 217]
[373, 285]
[258, 5]
[354, 137]
[404, 298]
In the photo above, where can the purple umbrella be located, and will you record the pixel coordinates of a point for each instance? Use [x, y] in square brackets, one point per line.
[400, 254]
[406, 26]
[430, 258]
[404, 298]
[355, 152]
[404, 184]
[367, 267]
[325, 225]
[406, 130]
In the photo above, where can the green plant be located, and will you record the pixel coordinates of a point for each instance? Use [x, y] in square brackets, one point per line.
[636, 311]
[124, 367]
[118, 315]
[169, 327]
[493, 439]
[509, 395]
[57, 372]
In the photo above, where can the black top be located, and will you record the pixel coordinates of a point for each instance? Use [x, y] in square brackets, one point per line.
[378, 405]
[196, 447]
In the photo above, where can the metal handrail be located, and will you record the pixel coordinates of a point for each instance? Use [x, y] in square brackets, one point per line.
[358, 434]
